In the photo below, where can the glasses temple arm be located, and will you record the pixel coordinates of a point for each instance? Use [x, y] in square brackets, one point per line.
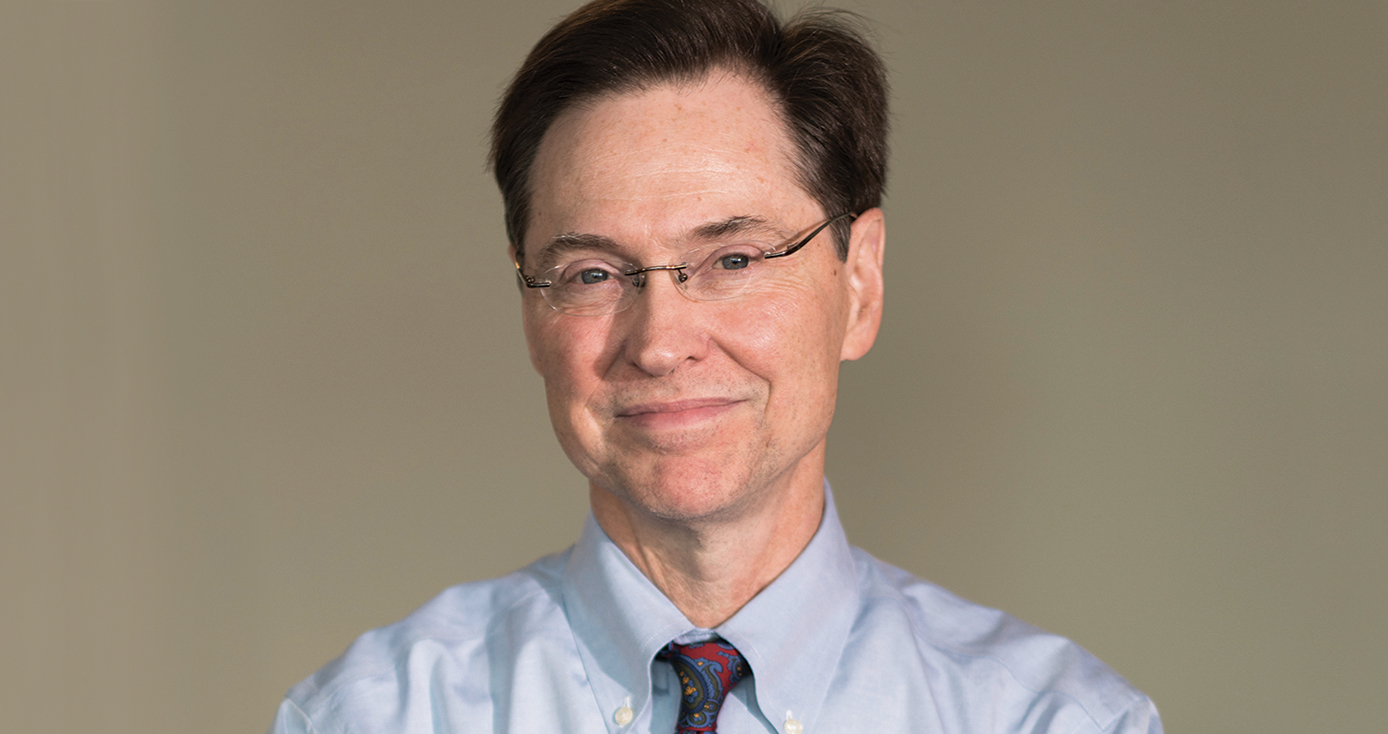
[796, 247]
[528, 281]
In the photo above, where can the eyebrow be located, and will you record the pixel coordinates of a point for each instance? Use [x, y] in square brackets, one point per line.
[573, 242]
[731, 226]
[584, 242]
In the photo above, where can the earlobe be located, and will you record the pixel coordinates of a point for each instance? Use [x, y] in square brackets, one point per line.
[865, 286]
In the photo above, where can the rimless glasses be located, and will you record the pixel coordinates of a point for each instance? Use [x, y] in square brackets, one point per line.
[585, 285]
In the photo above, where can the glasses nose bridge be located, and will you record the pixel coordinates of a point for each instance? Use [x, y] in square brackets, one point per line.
[677, 274]
[675, 268]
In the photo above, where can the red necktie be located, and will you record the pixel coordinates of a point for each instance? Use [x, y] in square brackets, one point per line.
[707, 671]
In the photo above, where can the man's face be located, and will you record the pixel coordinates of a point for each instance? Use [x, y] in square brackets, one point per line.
[685, 409]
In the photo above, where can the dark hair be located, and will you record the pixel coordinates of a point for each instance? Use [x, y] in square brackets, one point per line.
[830, 87]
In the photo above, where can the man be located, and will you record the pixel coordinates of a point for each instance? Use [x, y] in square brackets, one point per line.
[692, 195]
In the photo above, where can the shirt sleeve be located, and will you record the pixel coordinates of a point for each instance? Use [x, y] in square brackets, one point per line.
[291, 719]
[1140, 718]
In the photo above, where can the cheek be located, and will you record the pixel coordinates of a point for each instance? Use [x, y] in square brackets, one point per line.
[791, 339]
[562, 349]
[753, 333]
[798, 323]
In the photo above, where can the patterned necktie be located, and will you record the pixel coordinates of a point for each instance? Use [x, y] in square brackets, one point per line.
[707, 670]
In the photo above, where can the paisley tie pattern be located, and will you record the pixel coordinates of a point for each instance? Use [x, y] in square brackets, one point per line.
[707, 671]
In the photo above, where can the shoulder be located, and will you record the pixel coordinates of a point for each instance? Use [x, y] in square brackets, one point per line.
[993, 665]
[455, 636]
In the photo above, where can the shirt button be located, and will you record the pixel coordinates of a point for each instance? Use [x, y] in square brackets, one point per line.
[793, 727]
[623, 716]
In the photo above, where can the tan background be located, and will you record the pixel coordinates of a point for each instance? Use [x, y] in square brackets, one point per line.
[262, 384]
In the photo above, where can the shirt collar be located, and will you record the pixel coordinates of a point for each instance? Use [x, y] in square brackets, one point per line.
[619, 620]
[792, 633]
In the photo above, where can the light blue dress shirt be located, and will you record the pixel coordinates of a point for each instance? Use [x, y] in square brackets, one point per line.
[839, 642]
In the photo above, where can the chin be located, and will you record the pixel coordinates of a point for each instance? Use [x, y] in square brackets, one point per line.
[685, 493]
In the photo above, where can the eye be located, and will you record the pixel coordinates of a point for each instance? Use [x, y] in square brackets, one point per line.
[586, 273]
[734, 261]
[734, 258]
[593, 276]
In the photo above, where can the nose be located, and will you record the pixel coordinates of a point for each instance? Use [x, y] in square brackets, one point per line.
[662, 329]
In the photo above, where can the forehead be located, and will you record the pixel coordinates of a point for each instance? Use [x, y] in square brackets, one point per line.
[662, 161]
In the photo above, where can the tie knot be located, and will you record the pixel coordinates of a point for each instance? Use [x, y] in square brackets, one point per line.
[707, 671]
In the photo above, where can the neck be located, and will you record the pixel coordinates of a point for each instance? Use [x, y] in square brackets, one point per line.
[710, 568]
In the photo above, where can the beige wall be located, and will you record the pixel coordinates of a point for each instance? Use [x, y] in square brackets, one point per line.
[262, 385]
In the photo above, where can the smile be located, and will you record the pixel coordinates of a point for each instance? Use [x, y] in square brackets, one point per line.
[675, 414]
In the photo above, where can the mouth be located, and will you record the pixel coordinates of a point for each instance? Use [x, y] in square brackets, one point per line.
[674, 414]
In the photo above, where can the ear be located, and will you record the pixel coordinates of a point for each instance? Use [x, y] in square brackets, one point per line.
[864, 275]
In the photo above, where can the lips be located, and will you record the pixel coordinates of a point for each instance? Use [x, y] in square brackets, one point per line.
[674, 406]
[675, 414]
